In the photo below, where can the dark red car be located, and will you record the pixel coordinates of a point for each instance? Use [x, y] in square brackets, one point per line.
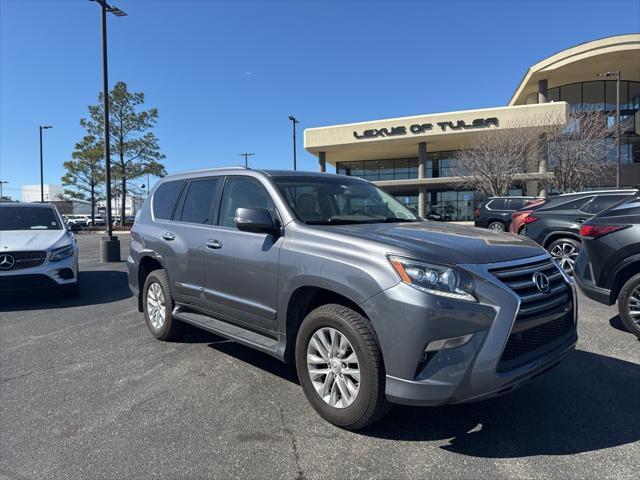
[518, 218]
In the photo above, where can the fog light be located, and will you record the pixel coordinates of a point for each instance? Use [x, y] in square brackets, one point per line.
[448, 343]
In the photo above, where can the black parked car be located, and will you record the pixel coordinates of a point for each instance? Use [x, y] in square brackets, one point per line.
[608, 267]
[556, 224]
[494, 213]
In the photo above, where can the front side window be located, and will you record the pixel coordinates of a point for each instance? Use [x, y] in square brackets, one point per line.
[602, 202]
[243, 193]
[326, 201]
[199, 201]
[28, 218]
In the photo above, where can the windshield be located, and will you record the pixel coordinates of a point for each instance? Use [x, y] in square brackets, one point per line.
[339, 200]
[28, 218]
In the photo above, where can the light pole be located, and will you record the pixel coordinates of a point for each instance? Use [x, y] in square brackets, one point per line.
[109, 245]
[246, 158]
[616, 75]
[40, 128]
[293, 122]
[2, 182]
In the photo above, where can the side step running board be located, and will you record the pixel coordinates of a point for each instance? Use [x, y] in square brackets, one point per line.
[227, 330]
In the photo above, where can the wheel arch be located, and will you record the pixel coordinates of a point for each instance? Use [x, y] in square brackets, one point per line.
[147, 264]
[553, 236]
[622, 274]
[302, 301]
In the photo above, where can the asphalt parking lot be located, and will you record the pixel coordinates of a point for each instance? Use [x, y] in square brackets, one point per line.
[87, 392]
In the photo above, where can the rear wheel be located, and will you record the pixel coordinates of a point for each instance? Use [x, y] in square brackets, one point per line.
[340, 367]
[496, 226]
[158, 306]
[565, 251]
[629, 305]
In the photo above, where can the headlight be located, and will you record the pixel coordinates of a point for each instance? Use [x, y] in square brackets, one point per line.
[61, 253]
[440, 280]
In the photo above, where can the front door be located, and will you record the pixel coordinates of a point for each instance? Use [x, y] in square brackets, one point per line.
[241, 270]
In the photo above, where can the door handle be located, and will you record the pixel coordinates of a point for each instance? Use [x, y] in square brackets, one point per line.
[213, 244]
[168, 236]
[580, 220]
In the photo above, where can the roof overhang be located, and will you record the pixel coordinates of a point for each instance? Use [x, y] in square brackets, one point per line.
[399, 137]
[581, 64]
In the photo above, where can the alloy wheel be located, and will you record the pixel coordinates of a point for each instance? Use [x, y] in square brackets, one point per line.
[156, 305]
[333, 367]
[634, 305]
[496, 227]
[566, 255]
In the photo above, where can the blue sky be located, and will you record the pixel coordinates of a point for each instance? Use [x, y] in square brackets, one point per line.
[226, 75]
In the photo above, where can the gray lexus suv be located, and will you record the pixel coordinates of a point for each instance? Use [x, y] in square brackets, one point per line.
[371, 303]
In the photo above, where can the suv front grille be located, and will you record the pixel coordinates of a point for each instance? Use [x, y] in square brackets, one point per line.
[20, 260]
[543, 318]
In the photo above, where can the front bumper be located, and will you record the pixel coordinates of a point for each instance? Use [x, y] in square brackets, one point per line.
[46, 276]
[467, 373]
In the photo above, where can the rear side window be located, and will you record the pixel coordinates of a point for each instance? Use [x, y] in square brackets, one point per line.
[164, 199]
[199, 200]
[497, 204]
[602, 202]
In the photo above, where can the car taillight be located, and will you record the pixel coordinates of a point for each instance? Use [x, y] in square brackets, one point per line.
[530, 219]
[596, 231]
[477, 212]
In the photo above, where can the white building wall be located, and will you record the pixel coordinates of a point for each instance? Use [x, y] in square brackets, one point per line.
[31, 193]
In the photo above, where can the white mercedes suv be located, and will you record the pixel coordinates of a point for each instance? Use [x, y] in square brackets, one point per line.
[37, 249]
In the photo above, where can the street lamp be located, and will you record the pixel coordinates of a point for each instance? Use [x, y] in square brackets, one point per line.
[616, 75]
[2, 182]
[293, 122]
[109, 245]
[246, 158]
[42, 127]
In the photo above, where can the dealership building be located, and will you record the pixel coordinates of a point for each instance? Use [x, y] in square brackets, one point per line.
[412, 157]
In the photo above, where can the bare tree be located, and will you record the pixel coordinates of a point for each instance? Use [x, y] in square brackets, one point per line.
[579, 151]
[496, 159]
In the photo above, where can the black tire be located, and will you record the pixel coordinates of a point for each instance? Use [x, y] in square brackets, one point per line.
[567, 262]
[170, 327]
[624, 298]
[496, 226]
[370, 404]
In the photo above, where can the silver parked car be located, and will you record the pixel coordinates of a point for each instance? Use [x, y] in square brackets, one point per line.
[37, 249]
[372, 304]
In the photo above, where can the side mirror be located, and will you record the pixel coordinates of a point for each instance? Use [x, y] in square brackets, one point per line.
[256, 220]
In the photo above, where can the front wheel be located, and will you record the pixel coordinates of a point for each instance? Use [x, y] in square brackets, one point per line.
[629, 305]
[565, 251]
[340, 367]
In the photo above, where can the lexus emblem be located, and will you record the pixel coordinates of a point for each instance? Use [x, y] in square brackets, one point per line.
[541, 281]
[6, 262]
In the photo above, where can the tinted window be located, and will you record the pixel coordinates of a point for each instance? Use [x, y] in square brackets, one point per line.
[243, 193]
[631, 207]
[198, 201]
[517, 203]
[497, 204]
[602, 202]
[164, 199]
[565, 204]
[28, 218]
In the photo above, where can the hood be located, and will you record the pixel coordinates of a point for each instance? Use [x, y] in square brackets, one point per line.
[15, 240]
[445, 243]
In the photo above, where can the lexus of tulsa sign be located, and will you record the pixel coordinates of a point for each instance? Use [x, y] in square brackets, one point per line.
[426, 127]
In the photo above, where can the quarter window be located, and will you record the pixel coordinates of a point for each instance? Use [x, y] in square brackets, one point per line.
[243, 193]
[164, 199]
[602, 202]
[199, 201]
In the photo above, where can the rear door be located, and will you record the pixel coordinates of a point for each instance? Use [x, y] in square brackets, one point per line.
[242, 267]
[181, 239]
